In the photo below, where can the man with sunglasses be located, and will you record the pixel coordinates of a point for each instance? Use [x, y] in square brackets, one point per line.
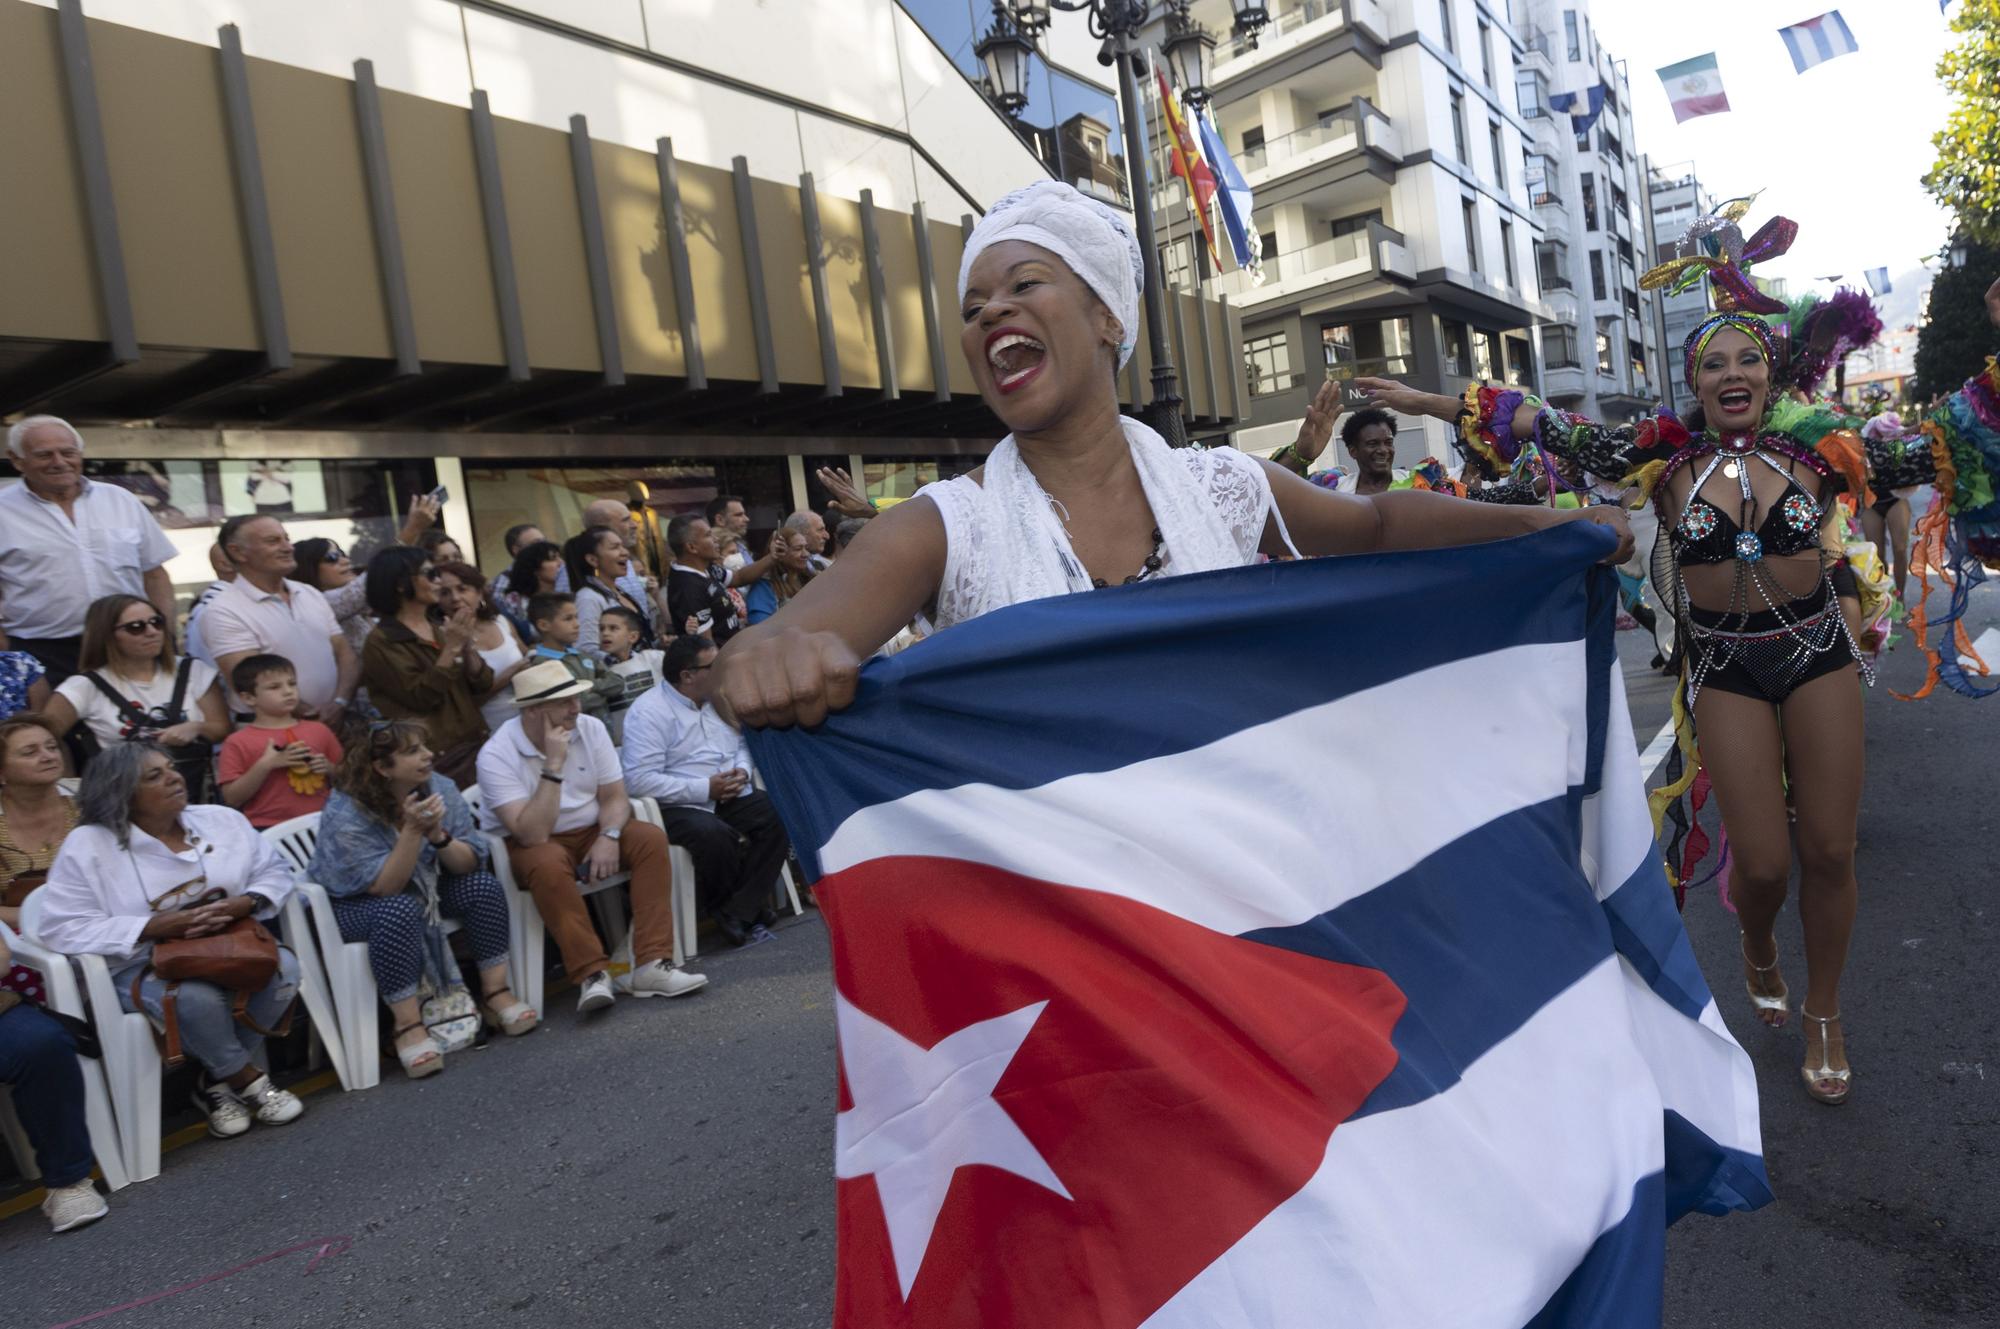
[67, 542]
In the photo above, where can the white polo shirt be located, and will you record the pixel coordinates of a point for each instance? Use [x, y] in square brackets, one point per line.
[243, 618]
[52, 568]
[510, 770]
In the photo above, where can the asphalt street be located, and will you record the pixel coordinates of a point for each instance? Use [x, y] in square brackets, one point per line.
[670, 1161]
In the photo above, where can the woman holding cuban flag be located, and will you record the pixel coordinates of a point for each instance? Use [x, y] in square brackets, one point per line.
[1077, 496]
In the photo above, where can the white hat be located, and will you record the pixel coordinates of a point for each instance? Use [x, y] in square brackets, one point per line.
[550, 680]
[1093, 239]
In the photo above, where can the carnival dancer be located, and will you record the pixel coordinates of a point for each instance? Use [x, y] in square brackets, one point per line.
[1077, 496]
[1742, 487]
[1886, 521]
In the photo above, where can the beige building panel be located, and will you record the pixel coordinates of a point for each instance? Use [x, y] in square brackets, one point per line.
[548, 246]
[947, 248]
[849, 297]
[168, 142]
[715, 262]
[898, 238]
[48, 281]
[1193, 368]
[318, 192]
[444, 233]
[782, 237]
[642, 275]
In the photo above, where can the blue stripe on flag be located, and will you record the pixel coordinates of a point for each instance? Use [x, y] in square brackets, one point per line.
[1821, 42]
[1479, 936]
[1705, 1177]
[1647, 930]
[1321, 629]
[1617, 1284]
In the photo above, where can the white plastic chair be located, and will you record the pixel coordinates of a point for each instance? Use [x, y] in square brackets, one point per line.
[59, 982]
[686, 940]
[527, 934]
[345, 963]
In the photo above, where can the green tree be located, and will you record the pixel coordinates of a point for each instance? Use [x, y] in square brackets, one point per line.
[1965, 178]
[1957, 334]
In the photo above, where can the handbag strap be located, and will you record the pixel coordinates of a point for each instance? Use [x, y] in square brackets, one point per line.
[129, 709]
[168, 1037]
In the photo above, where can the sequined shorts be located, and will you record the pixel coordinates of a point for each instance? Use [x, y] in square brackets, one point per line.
[1767, 655]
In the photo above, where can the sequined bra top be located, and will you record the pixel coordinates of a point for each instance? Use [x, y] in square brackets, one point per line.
[1706, 534]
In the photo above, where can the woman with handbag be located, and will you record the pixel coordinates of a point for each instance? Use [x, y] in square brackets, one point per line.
[173, 893]
[130, 686]
[398, 853]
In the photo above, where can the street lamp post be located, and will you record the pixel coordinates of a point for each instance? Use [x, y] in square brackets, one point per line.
[1118, 24]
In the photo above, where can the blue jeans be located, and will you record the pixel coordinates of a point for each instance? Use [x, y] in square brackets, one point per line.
[38, 1062]
[209, 1030]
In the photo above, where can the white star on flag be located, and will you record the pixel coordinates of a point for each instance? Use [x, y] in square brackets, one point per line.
[921, 1114]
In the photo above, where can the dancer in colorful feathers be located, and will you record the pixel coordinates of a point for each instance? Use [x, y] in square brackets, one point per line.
[1769, 666]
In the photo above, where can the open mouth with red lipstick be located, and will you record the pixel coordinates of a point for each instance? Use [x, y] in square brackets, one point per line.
[1735, 401]
[1015, 358]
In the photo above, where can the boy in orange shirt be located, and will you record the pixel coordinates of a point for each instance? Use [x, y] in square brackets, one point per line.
[276, 767]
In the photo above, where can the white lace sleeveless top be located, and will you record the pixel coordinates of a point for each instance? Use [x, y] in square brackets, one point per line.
[1237, 507]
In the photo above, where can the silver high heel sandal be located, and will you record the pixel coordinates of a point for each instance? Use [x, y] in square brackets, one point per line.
[1824, 1072]
[1778, 1002]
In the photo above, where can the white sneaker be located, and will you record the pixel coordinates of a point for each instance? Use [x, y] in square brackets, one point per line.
[597, 993]
[74, 1206]
[227, 1117]
[273, 1106]
[656, 979]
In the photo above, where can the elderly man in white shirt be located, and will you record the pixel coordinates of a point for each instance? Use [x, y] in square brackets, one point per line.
[58, 529]
[142, 866]
[551, 785]
[264, 612]
[680, 752]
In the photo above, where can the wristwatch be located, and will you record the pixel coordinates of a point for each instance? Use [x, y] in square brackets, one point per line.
[613, 834]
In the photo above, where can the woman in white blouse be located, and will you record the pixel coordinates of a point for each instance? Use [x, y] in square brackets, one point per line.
[143, 865]
[129, 685]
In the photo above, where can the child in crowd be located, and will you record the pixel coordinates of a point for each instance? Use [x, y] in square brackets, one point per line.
[629, 673]
[276, 766]
[556, 625]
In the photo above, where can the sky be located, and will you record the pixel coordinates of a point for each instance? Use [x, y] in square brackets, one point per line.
[1841, 149]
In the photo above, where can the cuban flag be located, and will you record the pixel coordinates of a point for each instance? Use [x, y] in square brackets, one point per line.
[1818, 40]
[1248, 948]
[1878, 280]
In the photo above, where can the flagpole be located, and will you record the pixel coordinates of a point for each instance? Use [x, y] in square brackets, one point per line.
[1164, 413]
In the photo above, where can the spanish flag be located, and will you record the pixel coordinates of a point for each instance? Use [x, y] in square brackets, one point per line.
[1189, 164]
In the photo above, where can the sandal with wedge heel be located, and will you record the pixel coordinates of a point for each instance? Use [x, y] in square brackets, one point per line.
[1775, 1003]
[513, 1017]
[1838, 1082]
[420, 1059]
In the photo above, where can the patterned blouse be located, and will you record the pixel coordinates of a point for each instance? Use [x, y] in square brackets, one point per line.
[18, 672]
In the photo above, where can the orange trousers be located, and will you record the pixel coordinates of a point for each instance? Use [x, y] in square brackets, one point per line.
[548, 872]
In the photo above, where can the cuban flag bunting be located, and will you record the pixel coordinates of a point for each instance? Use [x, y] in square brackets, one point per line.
[1251, 949]
[1818, 40]
[1694, 87]
[1878, 280]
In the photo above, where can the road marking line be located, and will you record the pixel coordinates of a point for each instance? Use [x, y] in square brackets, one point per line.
[1657, 750]
[323, 1248]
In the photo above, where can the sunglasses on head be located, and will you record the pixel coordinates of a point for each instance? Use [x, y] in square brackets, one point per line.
[140, 626]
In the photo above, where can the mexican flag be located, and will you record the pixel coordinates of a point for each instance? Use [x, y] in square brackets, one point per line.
[1695, 87]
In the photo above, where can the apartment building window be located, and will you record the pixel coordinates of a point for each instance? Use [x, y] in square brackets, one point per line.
[1485, 356]
[1253, 138]
[1552, 265]
[1486, 52]
[1632, 302]
[1444, 22]
[1268, 362]
[1589, 201]
[1604, 364]
[1456, 359]
[1499, 156]
[1637, 355]
[1531, 94]
[1507, 253]
[1269, 241]
[1559, 346]
[1596, 275]
[1375, 347]
[1618, 205]
[1469, 210]
[1571, 35]
[1541, 177]
[1458, 125]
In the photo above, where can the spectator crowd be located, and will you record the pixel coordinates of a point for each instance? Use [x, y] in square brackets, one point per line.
[448, 728]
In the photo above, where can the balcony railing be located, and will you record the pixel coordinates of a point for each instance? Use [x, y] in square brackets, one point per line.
[1538, 43]
[1341, 128]
[1377, 249]
[1283, 22]
[1555, 281]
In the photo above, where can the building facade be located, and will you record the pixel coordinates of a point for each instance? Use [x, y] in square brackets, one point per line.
[315, 259]
[1602, 352]
[1676, 197]
[1384, 149]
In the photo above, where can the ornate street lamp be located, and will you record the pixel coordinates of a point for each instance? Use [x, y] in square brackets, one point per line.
[1959, 251]
[1189, 50]
[1006, 51]
[1251, 16]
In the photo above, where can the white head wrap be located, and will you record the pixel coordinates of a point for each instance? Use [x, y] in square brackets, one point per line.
[1091, 237]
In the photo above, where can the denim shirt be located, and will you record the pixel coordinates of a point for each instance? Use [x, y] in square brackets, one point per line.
[353, 842]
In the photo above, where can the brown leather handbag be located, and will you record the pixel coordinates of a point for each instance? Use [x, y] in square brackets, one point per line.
[241, 958]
